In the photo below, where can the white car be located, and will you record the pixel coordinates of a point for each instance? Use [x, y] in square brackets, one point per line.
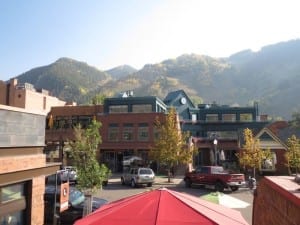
[70, 174]
[138, 176]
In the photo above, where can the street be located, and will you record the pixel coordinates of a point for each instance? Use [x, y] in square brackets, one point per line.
[115, 191]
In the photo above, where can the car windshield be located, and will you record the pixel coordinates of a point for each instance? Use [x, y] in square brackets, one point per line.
[76, 197]
[145, 171]
[218, 169]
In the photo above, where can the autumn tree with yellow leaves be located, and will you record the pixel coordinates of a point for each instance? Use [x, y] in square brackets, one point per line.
[171, 146]
[252, 155]
[293, 153]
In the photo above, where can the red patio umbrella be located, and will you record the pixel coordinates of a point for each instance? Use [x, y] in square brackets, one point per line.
[163, 207]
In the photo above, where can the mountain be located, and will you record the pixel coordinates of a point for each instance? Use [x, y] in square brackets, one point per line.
[67, 79]
[270, 77]
[121, 71]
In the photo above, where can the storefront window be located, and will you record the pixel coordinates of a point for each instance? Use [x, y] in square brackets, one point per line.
[15, 218]
[13, 204]
[269, 164]
[12, 192]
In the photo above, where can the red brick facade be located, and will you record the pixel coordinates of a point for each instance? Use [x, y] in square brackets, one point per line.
[277, 202]
[110, 152]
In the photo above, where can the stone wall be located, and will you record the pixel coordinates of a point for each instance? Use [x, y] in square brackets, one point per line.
[20, 128]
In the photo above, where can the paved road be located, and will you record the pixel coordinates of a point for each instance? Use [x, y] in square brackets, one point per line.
[115, 191]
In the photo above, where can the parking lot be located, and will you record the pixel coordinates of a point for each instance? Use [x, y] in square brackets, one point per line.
[115, 191]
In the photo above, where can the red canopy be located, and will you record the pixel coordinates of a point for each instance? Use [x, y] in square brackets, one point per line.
[163, 207]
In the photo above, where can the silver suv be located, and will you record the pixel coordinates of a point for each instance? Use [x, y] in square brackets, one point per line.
[138, 176]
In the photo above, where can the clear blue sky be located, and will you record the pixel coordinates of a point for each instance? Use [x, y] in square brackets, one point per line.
[109, 33]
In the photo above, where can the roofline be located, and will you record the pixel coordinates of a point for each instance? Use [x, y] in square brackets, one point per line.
[268, 131]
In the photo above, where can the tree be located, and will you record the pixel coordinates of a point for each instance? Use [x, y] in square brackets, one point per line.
[171, 148]
[83, 151]
[252, 155]
[295, 122]
[98, 99]
[293, 153]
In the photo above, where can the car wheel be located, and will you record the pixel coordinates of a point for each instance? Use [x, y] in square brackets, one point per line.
[219, 186]
[149, 185]
[122, 181]
[133, 184]
[188, 183]
[234, 188]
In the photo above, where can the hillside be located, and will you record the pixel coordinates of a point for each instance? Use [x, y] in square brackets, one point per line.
[67, 79]
[121, 71]
[269, 76]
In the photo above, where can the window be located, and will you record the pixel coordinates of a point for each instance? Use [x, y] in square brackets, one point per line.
[194, 117]
[128, 132]
[118, 109]
[143, 108]
[246, 117]
[156, 133]
[12, 192]
[13, 204]
[44, 102]
[229, 117]
[60, 121]
[85, 121]
[143, 132]
[269, 164]
[113, 132]
[211, 117]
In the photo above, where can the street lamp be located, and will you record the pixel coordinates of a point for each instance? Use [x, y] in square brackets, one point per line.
[216, 156]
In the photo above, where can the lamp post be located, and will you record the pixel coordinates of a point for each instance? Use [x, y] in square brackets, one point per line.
[216, 156]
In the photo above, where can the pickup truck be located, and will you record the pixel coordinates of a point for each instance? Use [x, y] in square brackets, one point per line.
[214, 176]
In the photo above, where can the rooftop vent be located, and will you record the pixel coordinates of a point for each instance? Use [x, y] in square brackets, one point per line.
[128, 93]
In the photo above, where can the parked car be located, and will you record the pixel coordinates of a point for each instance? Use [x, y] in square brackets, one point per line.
[138, 176]
[76, 205]
[70, 174]
[63, 176]
[215, 176]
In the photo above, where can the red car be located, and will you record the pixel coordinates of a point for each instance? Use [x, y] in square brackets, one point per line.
[215, 176]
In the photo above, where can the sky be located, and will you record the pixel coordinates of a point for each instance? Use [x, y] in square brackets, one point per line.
[110, 33]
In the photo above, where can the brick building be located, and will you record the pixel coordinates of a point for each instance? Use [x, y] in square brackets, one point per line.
[277, 201]
[127, 128]
[24, 95]
[23, 165]
[216, 129]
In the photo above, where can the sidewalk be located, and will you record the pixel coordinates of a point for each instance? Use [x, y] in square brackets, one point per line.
[159, 180]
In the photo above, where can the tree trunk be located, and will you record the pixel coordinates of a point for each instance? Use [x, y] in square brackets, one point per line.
[87, 208]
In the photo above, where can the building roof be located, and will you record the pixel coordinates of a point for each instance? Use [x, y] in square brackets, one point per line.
[287, 132]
